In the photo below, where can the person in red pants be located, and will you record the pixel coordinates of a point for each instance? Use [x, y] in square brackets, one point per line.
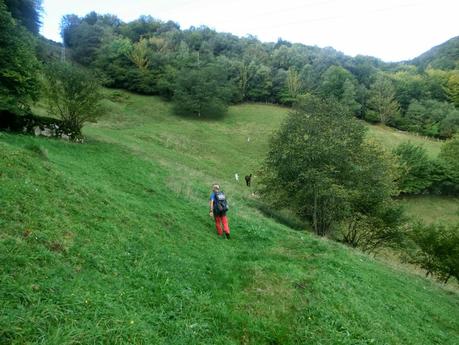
[218, 208]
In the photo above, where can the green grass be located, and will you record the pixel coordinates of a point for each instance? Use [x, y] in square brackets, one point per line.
[391, 138]
[432, 209]
[109, 242]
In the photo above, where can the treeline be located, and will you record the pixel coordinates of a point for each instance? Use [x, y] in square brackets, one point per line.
[153, 57]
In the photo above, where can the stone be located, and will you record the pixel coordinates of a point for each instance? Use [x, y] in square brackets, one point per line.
[47, 132]
[37, 131]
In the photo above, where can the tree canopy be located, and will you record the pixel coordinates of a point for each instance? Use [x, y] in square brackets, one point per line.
[18, 65]
[320, 166]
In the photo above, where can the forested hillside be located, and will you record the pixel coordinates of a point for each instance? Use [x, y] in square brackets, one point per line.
[444, 56]
[152, 57]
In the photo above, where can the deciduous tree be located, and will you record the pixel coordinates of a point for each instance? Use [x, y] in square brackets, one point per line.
[320, 166]
[73, 95]
[382, 103]
[201, 91]
[293, 83]
[19, 67]
[437, 249]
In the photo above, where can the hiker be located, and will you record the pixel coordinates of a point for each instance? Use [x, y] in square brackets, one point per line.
[218, 208]
[248, 179]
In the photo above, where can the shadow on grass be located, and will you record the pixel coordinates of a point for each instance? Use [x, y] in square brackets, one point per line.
[283, 217]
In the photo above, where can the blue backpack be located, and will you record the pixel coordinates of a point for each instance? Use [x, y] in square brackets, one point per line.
[220, 204]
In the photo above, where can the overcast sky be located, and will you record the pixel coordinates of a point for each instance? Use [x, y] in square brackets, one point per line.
[392, 30]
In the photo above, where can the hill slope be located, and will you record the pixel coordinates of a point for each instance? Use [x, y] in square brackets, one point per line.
[110, 242]
[443, 56]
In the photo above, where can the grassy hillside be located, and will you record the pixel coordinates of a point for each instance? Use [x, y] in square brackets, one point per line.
[391, 138]
[109, 242]
[433, 208]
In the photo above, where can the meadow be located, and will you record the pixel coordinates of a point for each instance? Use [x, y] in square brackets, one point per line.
[110, 242]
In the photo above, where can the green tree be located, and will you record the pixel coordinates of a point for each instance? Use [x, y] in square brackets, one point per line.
[112, 59]
[259, 86]
[293, 83]
[73, 95]
[452, 88]
[19, 67]
[409, 85]
[382, 104]
[26, 13]
[436, 80]
[245, 73]
[437, 249]
[415, 169]
[307, 78]
[332, 82]
[85, 36]
[69, 23]
[375, 220]
[144, 26]
[349, 97]
[320, 166]
[305, 169]
[202, 91]
[449, 160]
[432, 118]
[340, 84]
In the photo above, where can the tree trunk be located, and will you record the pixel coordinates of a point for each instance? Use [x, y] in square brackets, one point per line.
[314, 213]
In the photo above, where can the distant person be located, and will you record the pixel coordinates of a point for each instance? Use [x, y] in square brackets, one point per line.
[236, 176]
[218, 208]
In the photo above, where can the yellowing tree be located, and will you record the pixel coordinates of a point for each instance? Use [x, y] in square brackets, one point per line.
[293, 83]
[139, 54]
[452, 88]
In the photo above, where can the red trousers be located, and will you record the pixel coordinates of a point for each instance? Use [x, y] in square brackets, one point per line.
[219, 220]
